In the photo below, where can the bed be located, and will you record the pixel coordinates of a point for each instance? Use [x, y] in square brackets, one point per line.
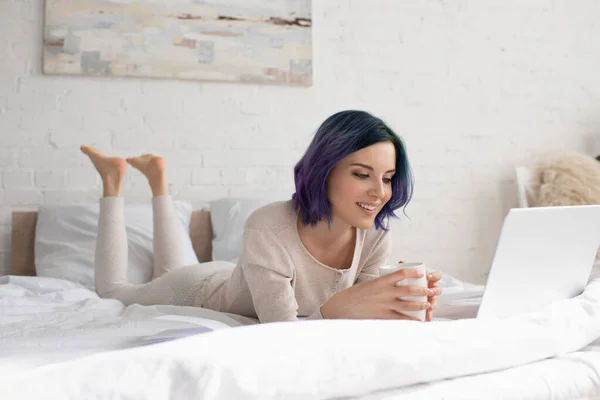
[60, 340]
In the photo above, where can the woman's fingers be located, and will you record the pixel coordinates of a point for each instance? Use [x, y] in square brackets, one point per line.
[429, 315]
[403, 274]
[433, 300]
[432, 291]
[416, 291]
[404, 305]
[433, 278]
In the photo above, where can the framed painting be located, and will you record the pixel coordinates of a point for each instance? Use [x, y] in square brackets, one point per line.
[261, 41]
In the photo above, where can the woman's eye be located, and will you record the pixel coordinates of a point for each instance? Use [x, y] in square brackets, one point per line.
[361, 176]
[387, 181]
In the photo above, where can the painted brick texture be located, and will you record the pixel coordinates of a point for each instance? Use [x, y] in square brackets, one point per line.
[474, 88]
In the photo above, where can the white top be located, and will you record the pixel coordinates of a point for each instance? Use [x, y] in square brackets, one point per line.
[277, 279]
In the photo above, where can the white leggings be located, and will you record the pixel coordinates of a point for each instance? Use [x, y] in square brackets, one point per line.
[171, 284]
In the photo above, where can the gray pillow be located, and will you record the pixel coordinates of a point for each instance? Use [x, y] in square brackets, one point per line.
[228, 217]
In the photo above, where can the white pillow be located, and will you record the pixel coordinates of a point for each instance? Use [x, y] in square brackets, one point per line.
[228, 217]
[526, 182]
[65, 241]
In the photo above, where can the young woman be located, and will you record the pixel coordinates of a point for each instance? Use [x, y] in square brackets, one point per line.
[314, 256]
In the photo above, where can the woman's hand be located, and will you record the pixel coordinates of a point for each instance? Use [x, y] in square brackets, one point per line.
[432, 280]
[380, 298]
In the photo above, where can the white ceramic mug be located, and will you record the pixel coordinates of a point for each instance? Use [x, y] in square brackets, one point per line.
[388, 269]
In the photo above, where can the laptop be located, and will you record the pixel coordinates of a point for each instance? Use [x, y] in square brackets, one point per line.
[544, 254]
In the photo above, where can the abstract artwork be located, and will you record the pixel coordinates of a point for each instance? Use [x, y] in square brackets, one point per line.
[262, 41]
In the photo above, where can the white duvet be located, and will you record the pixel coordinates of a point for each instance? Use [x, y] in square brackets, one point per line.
[59, 340]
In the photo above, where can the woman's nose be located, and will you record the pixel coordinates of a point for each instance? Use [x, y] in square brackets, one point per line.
[377, 190]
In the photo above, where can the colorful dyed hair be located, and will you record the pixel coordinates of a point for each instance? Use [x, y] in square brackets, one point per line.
[340, 135]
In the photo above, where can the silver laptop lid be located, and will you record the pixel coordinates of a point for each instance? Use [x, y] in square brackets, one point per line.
[544, 254]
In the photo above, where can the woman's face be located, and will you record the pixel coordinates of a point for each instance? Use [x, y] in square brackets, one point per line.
[361, 183]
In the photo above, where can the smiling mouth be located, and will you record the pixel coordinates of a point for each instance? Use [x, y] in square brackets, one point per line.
[366, 207]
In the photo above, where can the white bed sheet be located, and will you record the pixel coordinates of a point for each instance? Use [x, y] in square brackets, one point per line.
[49, 322]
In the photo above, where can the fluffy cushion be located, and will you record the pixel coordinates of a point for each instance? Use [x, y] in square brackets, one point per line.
[65, 241]
[568, 179]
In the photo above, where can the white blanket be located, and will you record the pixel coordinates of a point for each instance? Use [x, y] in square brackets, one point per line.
[47, 320]
[305, 359]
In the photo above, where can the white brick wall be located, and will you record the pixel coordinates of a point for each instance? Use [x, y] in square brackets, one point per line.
[473, 87]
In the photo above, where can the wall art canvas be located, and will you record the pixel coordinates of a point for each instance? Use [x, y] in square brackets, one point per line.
[262, 41]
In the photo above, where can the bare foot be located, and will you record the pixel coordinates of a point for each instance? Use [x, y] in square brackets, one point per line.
[149, 165]
[153, 168]
[111, 170]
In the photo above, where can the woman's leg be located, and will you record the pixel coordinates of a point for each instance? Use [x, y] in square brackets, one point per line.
[180, 287]
[110, 267]
[167, 241]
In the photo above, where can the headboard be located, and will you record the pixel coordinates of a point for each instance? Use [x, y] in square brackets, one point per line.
[23, 240]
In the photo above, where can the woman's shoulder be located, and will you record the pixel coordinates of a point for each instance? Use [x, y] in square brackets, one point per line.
[273, 217]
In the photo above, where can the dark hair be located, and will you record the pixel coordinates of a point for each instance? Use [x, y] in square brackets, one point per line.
[340, 135]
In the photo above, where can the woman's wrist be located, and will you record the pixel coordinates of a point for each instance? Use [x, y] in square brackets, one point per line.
[326, 310]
